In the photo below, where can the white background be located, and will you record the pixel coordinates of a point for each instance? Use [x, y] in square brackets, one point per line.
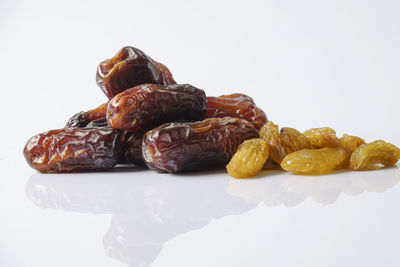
[306, 63]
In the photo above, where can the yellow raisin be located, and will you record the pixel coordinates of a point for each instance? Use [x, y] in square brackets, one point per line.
[270, 133]
[293, 140]
[249, 159]
[322, 137]
[316, 161]
[351, 142]
[373, 155]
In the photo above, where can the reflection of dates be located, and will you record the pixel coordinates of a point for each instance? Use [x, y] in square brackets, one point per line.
[130, 67]
[235, 105]
[73, 150]
[147, 106]
[83, 118]
[175, 147]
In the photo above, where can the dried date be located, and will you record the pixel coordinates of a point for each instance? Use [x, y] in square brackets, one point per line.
[177, 147]
[83, 118]
[128, 68]
[235, 105]
[74, 150]
[149, 105]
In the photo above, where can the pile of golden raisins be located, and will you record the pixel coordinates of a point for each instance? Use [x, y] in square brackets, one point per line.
[314, 152]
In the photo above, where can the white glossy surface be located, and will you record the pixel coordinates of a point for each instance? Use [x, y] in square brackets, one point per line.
[307, 64]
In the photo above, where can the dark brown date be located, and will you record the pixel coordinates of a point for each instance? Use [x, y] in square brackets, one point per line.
[74, 150]
[176, 147]
[149, 105]
[128, 68]
[83, 118]
[132, 148]
[235, 105]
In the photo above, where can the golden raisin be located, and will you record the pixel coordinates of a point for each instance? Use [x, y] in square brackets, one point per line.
[316, 161]
[322, 137]
[271, 165]
[351, 142]
[372, 155]
[249, 159]
[293, 140]
[270, 133]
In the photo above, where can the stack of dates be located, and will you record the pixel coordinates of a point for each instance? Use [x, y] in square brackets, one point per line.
[149, 120]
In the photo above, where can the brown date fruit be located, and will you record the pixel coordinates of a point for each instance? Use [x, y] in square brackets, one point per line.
[128, 68]
[74, 150]
[83, 118]
[235, 105]
[132, 148]
[177, 147]
[146, 106]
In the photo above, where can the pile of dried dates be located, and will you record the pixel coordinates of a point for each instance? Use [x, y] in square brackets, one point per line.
[150, 120]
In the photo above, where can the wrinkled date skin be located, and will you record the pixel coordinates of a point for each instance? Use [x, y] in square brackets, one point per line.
[146, 106]
[74, 150]
[177, 147]
[128, 68]
[132, 148]
[235, 105]
[94, 116]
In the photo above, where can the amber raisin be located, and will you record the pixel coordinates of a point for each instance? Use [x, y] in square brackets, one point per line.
[351, 142]
[249, 159]
[176, 147]
[129, 68]
[316, 161]
[238, 106]
[74, 150]
[270, 133]
[293, 140]
[322, 137]
[373, 155]
[149, 105]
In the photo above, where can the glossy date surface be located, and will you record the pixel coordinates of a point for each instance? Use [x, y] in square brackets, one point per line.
[95, 117]
[128, 68]
[146, 106]
[74, 150]
[235, 105]
[177, 147]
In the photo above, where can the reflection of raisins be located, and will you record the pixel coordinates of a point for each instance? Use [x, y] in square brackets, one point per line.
[149, 105]
[74, 150]
[235, 105]
[175, 147]
[83, 118]
[129, 68]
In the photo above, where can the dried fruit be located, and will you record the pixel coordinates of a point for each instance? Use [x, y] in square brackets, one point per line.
[146, 106]
[316, 161]
[270, 133]
[132, 148]
[249, 159]
[129, 68]
[176, 147]
[238, 106]
[83, 118]
[373, 155]
[73, 150]
[271, 165]
[293, 140]
[351, 142]
[322, 137]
